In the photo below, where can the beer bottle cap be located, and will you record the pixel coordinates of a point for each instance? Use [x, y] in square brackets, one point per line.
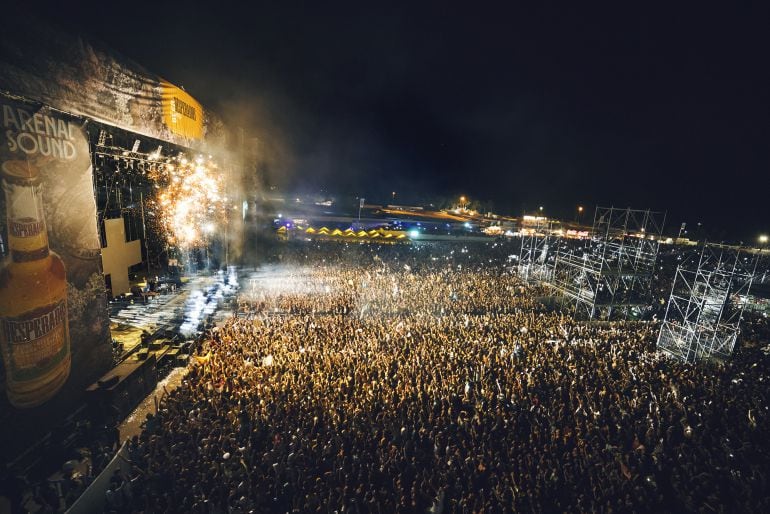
[20, 171]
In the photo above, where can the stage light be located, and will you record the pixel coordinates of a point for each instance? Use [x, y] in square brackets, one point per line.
[135, 148]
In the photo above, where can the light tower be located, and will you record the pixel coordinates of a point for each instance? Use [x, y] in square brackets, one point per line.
[610, 276]
[536, 246]
[706, 305]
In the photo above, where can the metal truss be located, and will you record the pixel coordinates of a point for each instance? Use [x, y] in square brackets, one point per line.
[536, 248]
[610, 276]
[706, 305]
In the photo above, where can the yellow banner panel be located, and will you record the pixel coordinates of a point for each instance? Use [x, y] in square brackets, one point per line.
[182, 113]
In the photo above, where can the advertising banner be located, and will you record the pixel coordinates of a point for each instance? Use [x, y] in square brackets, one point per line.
[54, 328]
[182, 114]
[43, 64]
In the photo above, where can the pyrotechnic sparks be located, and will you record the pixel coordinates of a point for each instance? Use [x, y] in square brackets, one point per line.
[190, 200]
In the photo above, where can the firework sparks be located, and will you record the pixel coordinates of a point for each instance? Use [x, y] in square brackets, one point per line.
[190, 200]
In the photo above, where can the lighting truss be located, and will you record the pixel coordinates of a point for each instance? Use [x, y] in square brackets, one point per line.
[610, 275]
[706, 305]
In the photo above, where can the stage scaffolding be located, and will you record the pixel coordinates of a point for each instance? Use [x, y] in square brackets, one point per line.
[536, 247]
[706, 305]
[610, 275]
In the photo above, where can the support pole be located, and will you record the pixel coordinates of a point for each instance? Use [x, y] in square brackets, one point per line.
[144, 234]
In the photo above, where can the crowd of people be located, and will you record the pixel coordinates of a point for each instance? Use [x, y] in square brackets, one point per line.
[429, 378]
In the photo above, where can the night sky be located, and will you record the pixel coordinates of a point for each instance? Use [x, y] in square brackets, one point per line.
[665, 108]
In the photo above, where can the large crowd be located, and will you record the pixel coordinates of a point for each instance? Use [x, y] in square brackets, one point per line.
[430, 379]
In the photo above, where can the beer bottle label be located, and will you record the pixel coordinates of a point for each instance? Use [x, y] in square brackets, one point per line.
[26, 227]
[36, 341]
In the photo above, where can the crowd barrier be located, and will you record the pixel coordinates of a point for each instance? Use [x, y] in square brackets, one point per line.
[93, 498]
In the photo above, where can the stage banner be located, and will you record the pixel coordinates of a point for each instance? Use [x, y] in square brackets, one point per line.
[54, 326]
[182, 114]
[43, 64]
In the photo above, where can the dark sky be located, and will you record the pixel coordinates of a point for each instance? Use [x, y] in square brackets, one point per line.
[666, 108]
